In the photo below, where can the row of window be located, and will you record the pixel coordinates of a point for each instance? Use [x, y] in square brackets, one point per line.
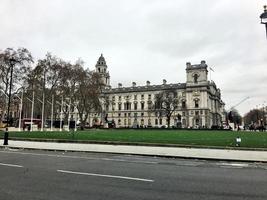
[129, 97]
[128, 105]
[128, 122]
[196, 112]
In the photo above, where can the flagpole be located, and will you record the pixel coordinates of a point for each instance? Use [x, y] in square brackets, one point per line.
[210, 73]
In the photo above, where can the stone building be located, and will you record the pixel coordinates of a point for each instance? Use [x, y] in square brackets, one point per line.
[200, 100]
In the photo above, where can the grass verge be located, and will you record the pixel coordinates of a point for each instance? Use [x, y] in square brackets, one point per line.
[176, 137]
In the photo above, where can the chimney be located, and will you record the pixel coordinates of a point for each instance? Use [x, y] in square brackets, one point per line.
[147, 83]
[164, 81]
[119, 85]
[188, 64]
[134, 84]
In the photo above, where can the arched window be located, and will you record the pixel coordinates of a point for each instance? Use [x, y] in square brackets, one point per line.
[195, 78]
[196, 103]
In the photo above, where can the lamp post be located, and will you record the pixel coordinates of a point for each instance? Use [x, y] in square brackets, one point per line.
[12, 62]
[263, 17]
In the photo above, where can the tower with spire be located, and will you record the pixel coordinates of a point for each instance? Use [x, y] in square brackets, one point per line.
[101, 68]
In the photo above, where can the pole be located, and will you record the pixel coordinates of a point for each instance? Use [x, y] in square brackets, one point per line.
[52, 112]
[61, 114]
[266, 29]
[69, 116]
[75, 129]
[32, 110]
[20, 114]
[42, 128]
[9, 101]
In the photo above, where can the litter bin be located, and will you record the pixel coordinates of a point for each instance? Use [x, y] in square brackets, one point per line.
[6, 137]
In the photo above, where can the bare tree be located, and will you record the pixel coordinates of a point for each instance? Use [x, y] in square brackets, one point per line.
[88, 94]
[14, 65]
[20, 61]
[166, 103]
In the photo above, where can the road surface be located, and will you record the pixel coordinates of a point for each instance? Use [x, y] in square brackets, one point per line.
[26, 175]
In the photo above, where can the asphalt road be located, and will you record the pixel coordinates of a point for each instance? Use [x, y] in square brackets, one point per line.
[26, 175]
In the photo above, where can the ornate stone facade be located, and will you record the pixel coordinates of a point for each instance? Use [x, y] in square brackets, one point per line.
[200, 105]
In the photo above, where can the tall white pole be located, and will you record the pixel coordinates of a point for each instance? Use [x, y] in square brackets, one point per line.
[75, 117]
[69, 115]
[43, 104]
[32, 110]
[52, 112]
[42, 126]
[20, 110]
[61, 114]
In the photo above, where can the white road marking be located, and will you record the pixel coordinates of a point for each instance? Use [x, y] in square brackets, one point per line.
[131, 161]
[10, 165]
[234, 164]
[105, 175]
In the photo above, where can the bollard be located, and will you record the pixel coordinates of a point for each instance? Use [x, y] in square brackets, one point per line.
[6, 137]
[238, 141]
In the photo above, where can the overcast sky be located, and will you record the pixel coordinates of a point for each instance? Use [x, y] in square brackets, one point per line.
[149, 39]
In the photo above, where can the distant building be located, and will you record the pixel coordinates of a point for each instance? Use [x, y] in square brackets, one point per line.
[200, 106]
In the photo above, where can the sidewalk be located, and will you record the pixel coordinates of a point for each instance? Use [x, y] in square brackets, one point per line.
[217, 154]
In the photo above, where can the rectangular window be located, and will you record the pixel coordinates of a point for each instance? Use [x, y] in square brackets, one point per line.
[156, 121]
[119, 106]
[135, 97]
[135, 106]
[196, 104]
[160, 121]
[149, 105]
[142, 105]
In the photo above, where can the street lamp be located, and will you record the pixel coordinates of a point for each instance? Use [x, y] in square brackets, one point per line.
[263, 17]
[12, 62]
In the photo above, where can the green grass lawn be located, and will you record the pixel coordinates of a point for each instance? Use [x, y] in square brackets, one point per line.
[182, 137]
